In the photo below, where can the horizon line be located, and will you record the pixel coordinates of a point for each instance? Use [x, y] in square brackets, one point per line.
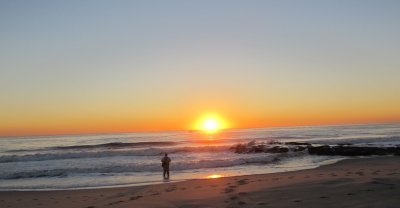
[183, 130]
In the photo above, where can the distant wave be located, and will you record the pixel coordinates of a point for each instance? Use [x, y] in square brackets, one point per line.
[108, 153]
[111, 145]
[117, 145]
[154, 167]
[117, 149]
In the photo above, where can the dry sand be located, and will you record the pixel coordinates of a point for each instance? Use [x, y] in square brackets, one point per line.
[369, 182]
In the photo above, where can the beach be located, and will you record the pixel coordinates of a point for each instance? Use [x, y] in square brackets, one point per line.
[108, 160]
[361, 182]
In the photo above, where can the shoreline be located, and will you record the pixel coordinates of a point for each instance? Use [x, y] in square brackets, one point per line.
[324, 163]
[351, 182]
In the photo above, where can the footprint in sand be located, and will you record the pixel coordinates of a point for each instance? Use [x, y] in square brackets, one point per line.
[297, 200]
[170, 189]
[228, 190]
[117, 202]
[241, 202]
[360, 173]
[135, 197]
[242, 182]
[242, 193]
[157, 193]
[233, 197]
[350, 194]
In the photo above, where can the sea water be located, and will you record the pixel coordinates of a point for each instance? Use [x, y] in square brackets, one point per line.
[108, 160]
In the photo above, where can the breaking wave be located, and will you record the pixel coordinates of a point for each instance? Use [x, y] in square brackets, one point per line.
[108, 153]
[111, 145]
[148, 167]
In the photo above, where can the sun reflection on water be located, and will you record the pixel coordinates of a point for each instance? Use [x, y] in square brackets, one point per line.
[214, 176]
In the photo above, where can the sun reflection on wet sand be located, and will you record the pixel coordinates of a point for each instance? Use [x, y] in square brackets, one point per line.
[214, 176]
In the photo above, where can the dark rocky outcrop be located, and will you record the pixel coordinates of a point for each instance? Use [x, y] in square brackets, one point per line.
[276, 149]
[239, 148]
[297, 143]
[344, 149]
[341, 150]
[345, 144]
[299, 148]
[259, 148]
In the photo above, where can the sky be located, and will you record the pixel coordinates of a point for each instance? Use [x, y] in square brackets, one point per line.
[122, 66]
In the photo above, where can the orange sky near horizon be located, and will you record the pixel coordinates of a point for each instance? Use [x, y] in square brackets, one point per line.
[181, 121]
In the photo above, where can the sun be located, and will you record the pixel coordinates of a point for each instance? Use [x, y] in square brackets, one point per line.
[210, 125]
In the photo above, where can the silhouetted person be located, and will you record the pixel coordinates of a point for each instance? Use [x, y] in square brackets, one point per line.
[165, 164]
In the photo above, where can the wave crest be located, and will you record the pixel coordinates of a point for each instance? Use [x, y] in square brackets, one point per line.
[109, 153]
[149, 167]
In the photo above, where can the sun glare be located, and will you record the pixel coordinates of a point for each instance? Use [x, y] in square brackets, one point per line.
[210, 124]
[214, 176]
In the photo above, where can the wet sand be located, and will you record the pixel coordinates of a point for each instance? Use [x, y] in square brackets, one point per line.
[368, 182]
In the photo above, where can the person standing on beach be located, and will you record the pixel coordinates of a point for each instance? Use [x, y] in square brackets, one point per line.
[165, 164]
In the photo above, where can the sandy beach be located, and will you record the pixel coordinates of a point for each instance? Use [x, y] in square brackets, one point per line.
[367, 182]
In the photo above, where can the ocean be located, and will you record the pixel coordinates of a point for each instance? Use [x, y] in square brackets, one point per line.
[125, 159]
